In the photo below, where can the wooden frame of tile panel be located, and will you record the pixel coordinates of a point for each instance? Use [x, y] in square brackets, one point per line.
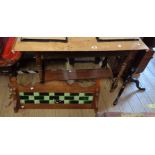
[54, 86]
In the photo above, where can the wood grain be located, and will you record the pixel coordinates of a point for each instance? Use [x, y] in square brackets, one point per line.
[80, 74]
[79, 44]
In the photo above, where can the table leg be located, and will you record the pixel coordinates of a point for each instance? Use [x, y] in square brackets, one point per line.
[129, 79]
[120, 92]
[125, 65]
[14, 94]
[41, 67]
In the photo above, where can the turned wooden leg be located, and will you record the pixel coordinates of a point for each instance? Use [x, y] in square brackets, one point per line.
[15, 93]
[95, 105]
[123, 69]
[105, 63]
[120, 93]
[96, 97]
[41, 67]
[130, 79]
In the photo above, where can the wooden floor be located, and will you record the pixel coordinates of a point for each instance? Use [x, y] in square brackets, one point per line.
[132, 100]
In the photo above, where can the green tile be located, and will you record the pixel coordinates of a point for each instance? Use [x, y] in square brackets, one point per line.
[88, 94]
[31, 97]
[39, 97]
[81, 102]
[46, 98]
[24, 97]
[29, 101]
[37, 102]
[69, 97]
[51, 101]
[61, 97]
[59, 94]
[87, 102]
[36, 94]
[51, 94]
[44, 101]
[66, 101]
[74, 94]
[76, 97]
[44, 94]
[90, 98]
[81, 94]
[66, 94]
[74, 102]
[21, 94]
[22, 101]
[83, 98]
[28, 93]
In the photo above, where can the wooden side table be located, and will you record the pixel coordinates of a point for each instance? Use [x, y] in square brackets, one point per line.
[46, 94]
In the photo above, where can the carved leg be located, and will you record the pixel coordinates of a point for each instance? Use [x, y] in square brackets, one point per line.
[41, 67]
[14, 93]
[137, 84]
[124, 85]
[105, 63]
[114, 84]
[120, 92]
[96, 98]
[95, 105]
[124, 67]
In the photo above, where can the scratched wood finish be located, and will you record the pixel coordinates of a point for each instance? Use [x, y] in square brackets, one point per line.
[57, 86]
[79, 44]
[77, 74]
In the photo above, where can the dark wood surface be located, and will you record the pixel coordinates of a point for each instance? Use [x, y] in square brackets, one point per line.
[56, 106]
[143, 61]
[77, 74]
[56, 86]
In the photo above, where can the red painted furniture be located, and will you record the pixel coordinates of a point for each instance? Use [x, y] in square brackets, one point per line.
[7, 56]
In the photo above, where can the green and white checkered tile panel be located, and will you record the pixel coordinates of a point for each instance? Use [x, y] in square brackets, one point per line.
[55, 98]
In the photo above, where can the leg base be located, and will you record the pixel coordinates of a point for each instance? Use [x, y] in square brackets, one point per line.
[137, 84]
